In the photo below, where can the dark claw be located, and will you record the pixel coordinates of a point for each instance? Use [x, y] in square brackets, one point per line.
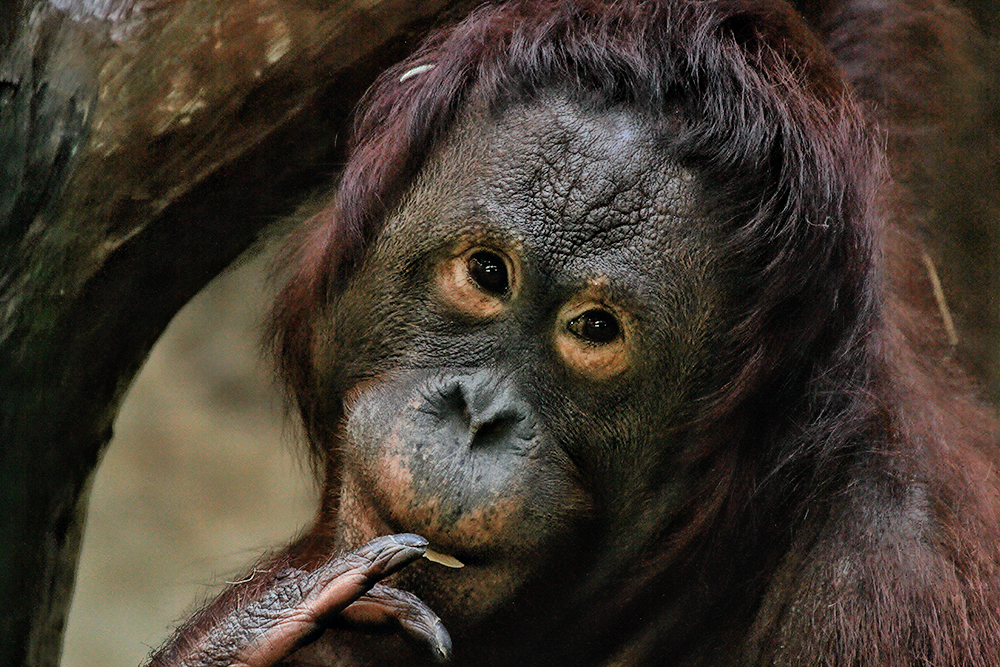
[384, 605]
[409, 540]
[441, 646]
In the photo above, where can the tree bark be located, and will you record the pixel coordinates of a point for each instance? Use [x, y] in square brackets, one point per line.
[143, 146]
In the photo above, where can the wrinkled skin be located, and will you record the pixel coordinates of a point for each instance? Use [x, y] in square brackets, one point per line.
[592, 216]
[489, 422]
[487, 426]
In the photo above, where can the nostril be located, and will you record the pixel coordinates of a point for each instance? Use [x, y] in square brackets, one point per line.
[494, 429]
[480, 411]
[446, 403]
[453, 402]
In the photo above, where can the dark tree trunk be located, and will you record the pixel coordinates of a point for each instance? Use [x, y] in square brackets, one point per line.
[143, 146]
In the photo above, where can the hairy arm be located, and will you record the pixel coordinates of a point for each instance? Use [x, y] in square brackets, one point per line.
[260, 621]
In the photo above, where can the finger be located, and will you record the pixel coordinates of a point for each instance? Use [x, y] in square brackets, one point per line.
[260, 621]
[383, 605]
[345, 578]
[303, 605]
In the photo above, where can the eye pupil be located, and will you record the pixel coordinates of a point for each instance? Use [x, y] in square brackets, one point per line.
[596, 326]
[490, 272]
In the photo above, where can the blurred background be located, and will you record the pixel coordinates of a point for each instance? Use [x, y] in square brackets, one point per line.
[204, 473]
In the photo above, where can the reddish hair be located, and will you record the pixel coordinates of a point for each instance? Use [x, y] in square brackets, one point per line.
[757, 111]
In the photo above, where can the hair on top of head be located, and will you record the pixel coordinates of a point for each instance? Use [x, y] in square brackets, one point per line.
[748, 102]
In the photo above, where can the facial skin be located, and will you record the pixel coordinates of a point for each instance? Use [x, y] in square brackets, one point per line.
[546, 274]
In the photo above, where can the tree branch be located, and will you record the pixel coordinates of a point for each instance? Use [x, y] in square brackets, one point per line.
[143, 146]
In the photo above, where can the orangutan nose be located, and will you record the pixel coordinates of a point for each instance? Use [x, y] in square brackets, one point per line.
[482, 410]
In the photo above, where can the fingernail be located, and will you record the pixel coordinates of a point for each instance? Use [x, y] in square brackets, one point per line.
[409, 540]
[442, 643]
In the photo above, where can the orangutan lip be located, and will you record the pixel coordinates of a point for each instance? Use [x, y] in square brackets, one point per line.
[442, 559]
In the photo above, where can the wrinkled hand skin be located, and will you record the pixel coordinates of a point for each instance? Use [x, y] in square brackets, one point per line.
[259, 623]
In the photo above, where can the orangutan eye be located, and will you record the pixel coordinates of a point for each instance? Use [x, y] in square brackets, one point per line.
[595, 326]
[489, 271]
[479, 282]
